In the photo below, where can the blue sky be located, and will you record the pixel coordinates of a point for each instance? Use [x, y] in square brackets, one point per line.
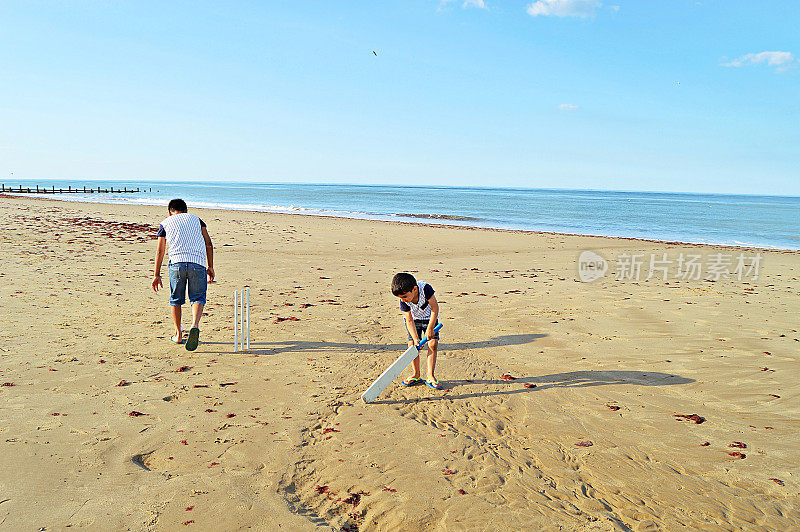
[672, 95]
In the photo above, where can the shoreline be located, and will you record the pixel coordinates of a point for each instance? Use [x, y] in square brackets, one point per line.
[733, 247]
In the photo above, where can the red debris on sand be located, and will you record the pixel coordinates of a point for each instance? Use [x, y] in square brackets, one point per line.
[354, 498]
[693, 417]
[705, 444]
[778, 481]
[448, 472]
[507, 377]
[210, 410]
[182, 369]
[738, 445]
[325, 431]
[767, 369]
[213, 464]
[306, 305]
[102, 361]
[322, 489]
[390, 490]
[188, 522]
[9, 384]
[123, 382]
[462, 492]
[290, 318]
[737, 454]
[529, 385]
[189, 508]
[200, 386]
[230, 416]
[775, 396]
[184, 442]
[55, 414]
[613, 407]
[584, 444]
[222, 385]
[136, 413]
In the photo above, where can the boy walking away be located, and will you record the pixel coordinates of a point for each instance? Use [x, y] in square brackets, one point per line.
[421, 312]
[190, 250]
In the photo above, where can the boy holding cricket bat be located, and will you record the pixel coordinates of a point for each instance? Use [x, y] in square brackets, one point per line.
[420, 311]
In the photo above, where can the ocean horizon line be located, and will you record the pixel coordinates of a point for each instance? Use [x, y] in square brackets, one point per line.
[28, 181]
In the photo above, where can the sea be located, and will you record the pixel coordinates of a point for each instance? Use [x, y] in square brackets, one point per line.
[722, 219]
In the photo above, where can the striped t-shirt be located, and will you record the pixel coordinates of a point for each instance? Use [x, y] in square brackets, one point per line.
[185, 240]
[420, 310]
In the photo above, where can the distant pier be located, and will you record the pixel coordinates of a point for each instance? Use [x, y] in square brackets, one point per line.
[69, 190]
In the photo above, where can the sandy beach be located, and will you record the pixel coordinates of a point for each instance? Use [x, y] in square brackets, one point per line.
[561, 409]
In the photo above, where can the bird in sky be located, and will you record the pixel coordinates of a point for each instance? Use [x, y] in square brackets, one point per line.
[373, 53]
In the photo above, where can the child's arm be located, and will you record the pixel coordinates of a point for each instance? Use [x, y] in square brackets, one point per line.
[209, 254]
[161, 248]
[411, 327]
[434, 316]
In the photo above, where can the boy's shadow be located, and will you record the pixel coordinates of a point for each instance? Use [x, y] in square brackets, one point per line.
[274, 348]
[571, 379]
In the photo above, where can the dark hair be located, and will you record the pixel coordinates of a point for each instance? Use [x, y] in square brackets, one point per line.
[403, 283]
[177, 205]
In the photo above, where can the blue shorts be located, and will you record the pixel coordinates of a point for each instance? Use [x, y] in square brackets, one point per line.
[422, 329]
[183, 274]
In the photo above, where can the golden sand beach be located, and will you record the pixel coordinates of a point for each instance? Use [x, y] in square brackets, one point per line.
[562, 400]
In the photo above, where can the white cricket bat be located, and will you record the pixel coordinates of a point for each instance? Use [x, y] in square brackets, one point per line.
[394, 370]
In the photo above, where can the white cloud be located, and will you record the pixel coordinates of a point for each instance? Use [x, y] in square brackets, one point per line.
[568, 107]
[480, 4]
[563, 8]
[780, 60]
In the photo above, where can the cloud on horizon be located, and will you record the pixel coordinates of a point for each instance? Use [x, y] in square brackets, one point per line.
[782, 61]
[568, 107]
[563, 8]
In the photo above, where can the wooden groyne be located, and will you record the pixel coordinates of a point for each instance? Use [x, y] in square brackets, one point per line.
[69, 190]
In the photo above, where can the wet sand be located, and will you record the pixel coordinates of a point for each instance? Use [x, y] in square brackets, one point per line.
[107, 425]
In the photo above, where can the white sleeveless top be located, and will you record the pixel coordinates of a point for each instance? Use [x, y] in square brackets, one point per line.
[185, 240]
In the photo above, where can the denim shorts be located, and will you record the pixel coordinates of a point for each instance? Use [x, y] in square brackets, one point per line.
[183, 274]
[422, 329]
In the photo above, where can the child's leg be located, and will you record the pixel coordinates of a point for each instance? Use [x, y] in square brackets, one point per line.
[177, 287]
[197, 313]
[414, 364]
[176, 319]
[197, 285]
[432, 349]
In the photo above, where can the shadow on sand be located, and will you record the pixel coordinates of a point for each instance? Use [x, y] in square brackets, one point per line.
[274, 348]
[571, 379]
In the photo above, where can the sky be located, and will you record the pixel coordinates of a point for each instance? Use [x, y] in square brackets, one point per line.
[667, 95]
